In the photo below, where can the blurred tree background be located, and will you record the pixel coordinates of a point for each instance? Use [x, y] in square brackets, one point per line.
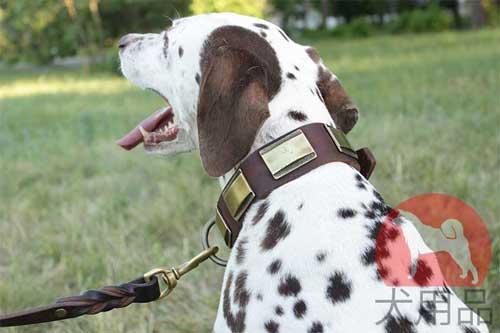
[39, 31]
[251, 8]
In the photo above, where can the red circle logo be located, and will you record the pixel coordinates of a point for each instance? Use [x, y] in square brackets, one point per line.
[447, 242]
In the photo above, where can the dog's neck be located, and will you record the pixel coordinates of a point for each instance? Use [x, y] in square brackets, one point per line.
[295, 106]
[267, 133]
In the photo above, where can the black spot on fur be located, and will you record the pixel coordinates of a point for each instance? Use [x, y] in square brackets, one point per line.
[165, 45]
[368, 256]
[181, 51]
[469, 329]
[291, 76]
[284, 36]
[399, 325]
[279, 310]
[277, 229]
[377, 210]
[300, 206]
[261, 211]
[393, 233]
[241, 294]
[297, 115]
[380, 208]
[316, 327]
[346, 213]
[274, 267]
[444, 298]
[443, 292]
[272, 326]
[235, 322]
[320, 256]
[260, 297]
[427, 311]
[423, 274]
[197, 78]
[263, 34]
[289, 286]
[360, 182]
[374, 229]
[382, 250]
[378, 196]
[296, 68]
[261, 25]
[300, 309]
[339, 288]
[446, 289]
[361, 186]
[241, 250]
[382, 273]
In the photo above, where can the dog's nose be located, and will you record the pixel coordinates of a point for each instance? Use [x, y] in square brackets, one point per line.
[128, 39]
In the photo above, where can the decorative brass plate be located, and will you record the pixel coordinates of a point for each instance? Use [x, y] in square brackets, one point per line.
[340, 140]
[238, 195]
[288, 154]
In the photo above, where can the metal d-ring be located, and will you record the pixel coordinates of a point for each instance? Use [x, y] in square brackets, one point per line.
[206, 244]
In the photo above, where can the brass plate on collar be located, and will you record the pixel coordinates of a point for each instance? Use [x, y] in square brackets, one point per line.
[340, 140]
[238, 195]
[288, 154]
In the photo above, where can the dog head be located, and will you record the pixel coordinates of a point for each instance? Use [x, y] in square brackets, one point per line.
[233, 83]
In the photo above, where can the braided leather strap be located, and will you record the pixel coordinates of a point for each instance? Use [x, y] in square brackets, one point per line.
[88, 303]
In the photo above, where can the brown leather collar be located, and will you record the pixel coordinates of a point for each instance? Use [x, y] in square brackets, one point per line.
[279, 162]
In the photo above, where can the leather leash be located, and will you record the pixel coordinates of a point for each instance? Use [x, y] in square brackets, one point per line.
[144, 289]
[277, 163]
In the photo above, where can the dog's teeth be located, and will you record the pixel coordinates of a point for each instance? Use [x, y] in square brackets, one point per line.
[143, 132]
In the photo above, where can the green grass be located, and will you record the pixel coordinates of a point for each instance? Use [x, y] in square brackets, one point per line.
[77, 212]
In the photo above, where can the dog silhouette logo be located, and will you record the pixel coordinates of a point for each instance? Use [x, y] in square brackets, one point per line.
[432, 238]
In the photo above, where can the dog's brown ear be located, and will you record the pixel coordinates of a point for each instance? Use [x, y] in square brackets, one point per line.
[340, 106]
[240, 74]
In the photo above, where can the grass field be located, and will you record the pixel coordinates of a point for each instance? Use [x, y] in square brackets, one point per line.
[77, 212]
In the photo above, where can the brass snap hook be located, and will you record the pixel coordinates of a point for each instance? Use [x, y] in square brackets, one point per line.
[172, 275]
[206, 244]
[168, 277]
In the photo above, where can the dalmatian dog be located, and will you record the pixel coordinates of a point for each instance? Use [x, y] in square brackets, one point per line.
[305, 259]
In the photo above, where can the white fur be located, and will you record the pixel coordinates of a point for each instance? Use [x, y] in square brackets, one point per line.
[315, 228]
[322, 192]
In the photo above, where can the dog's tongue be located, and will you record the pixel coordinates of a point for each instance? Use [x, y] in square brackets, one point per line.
[157, 120]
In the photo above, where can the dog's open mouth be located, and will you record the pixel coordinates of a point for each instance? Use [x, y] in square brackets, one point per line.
[157, 128]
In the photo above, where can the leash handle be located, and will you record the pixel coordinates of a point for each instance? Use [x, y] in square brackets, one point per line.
[144, 289]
